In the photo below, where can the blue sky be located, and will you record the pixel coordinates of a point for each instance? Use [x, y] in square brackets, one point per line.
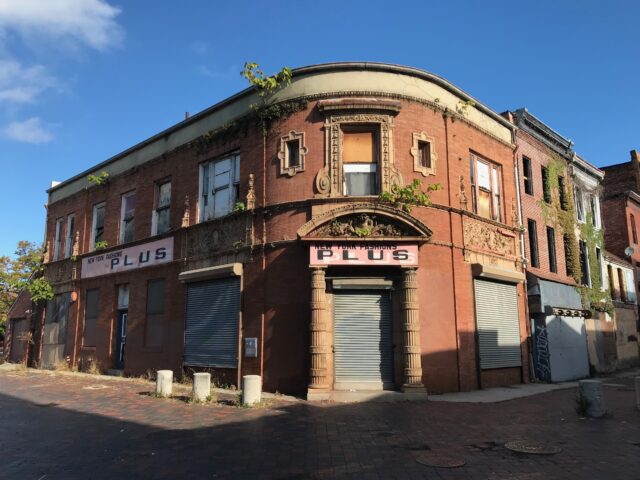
[81, 80]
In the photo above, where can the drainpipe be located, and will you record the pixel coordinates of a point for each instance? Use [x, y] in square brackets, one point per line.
[264, 246]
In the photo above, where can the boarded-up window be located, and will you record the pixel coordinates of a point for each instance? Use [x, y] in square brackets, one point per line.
[90, 317]
[485, 188]
[154, 328]
[358, 147]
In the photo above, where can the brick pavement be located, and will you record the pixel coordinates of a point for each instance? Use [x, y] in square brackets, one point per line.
[61, 427]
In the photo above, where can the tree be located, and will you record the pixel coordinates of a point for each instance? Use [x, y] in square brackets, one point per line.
[23, 271]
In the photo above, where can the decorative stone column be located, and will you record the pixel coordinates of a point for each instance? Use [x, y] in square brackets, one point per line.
[320, 348]
[411, 332]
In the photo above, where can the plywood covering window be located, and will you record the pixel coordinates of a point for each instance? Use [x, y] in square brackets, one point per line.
[154, 326]
[486, 179]
[91, 310]
[359, 160]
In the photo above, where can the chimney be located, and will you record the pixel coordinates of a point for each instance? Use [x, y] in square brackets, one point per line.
[186, 115]
[635, 156]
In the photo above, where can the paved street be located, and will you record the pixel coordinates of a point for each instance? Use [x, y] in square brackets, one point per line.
[65, 427]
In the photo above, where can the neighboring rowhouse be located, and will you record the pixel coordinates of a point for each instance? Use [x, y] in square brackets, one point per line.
[257, 243]
[554, 192]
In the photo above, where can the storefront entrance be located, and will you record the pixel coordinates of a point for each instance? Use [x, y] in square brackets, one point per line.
[363, 340]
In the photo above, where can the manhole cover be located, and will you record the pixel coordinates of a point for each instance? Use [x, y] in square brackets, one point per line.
[440, 460]
[533, 448]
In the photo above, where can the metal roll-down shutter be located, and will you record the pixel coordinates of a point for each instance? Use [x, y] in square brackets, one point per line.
[498, 324]
[363, 338]
[213, 311]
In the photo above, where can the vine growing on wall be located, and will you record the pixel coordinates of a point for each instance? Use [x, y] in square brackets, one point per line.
[560, 212]
[405, 198]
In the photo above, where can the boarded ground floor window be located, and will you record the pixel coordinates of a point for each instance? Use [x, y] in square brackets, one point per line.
[154, 326]
[90, 317]
[213, 313]
[498, 324]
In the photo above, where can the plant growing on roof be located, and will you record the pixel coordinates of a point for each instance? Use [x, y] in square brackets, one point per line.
[101, 179]
[405, 198]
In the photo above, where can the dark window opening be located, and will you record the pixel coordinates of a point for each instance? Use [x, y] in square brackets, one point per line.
[545, 185]
[293, 153]
[424, 154]
[584, 263]
[562, 192]
[526, 173]
[533, 243]
[634, 234]
[551, 246]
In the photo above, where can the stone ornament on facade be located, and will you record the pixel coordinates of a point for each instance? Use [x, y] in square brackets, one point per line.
[75, 249]
[489, 238]
[418, 138]
[186, 214]
[464, 202]
[283, 153]
[251, 194]
[361, 225]
[329, 179]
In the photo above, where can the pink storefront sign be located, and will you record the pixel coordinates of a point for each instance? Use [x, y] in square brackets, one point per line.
[366, 254]
[126, 259]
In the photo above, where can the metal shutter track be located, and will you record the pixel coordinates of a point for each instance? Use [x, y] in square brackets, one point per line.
[498, 324]
[363, 337]
[211, 335]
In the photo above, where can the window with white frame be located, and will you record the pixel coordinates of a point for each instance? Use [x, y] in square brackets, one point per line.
[219, 187]
[97, 225]
[359, 161]
[595, 210]
[127, 216]
[57, 246]
[579, 205]
[485, 188]
[69, 237]
[161, 221]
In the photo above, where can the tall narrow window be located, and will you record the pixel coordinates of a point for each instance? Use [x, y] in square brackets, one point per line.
[584, 263]
[533, 243]
[97, 229]
[526, 174]
[594, 211]
[90, 317]
[293, 153]
[562, 192]
[219, 187]
[57, 245]
[161, 221]
[579, 205]
[485, 188]
[634, 234]
[154, 327]
[551, 247]
[69, 238]
[623, 289]
[612, 284]
[360, 164]
[127, 217]
[600, 267]
[566, 241]
[424, 154]
[546, 190]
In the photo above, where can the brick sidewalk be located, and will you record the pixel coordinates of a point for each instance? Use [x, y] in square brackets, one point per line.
[65, 427]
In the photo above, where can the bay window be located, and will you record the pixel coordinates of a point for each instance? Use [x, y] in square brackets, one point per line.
[219, 187]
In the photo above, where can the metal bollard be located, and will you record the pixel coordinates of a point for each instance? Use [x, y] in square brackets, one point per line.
[591, 392]
[251, 389]
[164, 383]
[201, 386]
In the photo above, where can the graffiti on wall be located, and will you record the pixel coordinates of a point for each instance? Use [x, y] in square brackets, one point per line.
[542, 356]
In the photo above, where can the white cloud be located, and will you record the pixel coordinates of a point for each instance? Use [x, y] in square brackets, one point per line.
[89, 22]
[22, 84]
[29, 131]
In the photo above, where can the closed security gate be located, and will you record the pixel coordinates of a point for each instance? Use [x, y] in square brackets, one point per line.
[213, 312]
[498, 324]
[363, 340]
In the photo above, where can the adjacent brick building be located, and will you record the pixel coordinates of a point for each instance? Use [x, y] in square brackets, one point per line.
[219, 245]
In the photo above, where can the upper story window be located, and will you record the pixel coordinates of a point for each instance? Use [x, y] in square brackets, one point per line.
[595, 211]
[533, 243]
[562, 192]
[57, 246]
[584, 263]
[359, 161]
[219, 187]
[485, 188]
[551, 249]
[579, 205]
[69, 238]
[634, 234]
[161, 221]
[526, 174]
[127, 216]
[291, 154]
[97, 225]
[546, 188]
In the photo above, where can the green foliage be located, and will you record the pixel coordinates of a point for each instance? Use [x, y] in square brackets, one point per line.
[405, 198]
[101, 179]
[239, 207]
[594, 297]
[101, 245]
[265, 85]
[462, 107]
[22, 271]
[363, 231]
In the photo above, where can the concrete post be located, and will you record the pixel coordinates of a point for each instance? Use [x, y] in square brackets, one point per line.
[411, 332]
[591, 392]
[320, 347]
[637, 381]
[201, 386]
[251, 389]
[164, 383]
